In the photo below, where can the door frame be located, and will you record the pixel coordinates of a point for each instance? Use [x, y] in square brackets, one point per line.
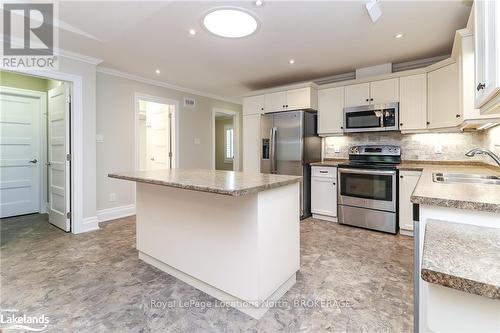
[41, 152]
[162, 100]
[236, 127]
[76, 138]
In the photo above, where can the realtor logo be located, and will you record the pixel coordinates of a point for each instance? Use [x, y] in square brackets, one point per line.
[29, 36]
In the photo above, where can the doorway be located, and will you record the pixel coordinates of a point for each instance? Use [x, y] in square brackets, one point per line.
[35, 174]
[225, 129]
[156, 133]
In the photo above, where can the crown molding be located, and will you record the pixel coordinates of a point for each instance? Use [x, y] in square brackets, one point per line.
[58, 52]
[114, 72]
[79, 57]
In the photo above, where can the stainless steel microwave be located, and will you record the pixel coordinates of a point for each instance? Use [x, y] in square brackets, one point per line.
[371, 118]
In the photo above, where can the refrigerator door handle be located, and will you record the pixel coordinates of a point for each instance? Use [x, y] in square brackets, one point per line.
[272, 149]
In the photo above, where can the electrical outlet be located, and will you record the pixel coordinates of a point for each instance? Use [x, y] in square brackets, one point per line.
[99, 138]
[438, 149]
[112, 197]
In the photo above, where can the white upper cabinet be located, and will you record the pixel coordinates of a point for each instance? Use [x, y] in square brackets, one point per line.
[302, 98]
[294, 99]
[330, 110]
[275, 101]
[443, 104]
[376, 92]
[487, 53]
[413, 102]
[384, 91]
[357, 94]
[253, 105]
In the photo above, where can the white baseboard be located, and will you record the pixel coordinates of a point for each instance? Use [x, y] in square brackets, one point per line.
[324, 217]
[406, 232]
[114, 213]
[90, 224]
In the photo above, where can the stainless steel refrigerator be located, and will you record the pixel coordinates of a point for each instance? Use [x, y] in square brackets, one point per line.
[289, 143]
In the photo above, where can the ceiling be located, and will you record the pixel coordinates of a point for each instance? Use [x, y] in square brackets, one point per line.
[324, 38]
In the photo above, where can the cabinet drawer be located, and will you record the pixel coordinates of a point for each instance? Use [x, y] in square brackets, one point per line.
[324, 172]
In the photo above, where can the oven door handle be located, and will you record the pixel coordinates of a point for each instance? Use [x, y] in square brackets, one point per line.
[369, 172]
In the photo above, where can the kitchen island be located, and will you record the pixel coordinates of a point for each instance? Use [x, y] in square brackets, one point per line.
[233, 235]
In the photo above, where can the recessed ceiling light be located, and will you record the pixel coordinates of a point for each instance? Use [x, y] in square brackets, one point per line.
[291, 61]
[157, 71]
[192, 32]
[259, 3]
[230, 23]
[399, 35]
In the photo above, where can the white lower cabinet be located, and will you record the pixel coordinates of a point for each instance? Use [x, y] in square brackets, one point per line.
[407, 182]
[324, 193]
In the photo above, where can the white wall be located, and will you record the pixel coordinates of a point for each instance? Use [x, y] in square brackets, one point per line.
[115, 121]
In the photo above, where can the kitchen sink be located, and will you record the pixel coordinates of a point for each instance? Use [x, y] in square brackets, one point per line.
[466, 178]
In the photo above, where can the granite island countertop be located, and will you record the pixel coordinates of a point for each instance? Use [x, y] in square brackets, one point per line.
[231, 183]
[462, 256]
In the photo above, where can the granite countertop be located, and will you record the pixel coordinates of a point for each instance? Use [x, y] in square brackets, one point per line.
[330, 162]
[215, 181]
[462, 256]
[479, 197]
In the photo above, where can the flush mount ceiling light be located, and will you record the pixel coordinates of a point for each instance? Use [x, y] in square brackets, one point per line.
[230, 23]
[259, 3]
[291, 61]
[157, 71]
[192, 32]
[399, 35]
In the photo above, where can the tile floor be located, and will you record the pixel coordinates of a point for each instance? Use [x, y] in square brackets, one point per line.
[351, 280]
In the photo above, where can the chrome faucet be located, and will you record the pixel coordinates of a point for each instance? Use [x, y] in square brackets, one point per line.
[480, 151]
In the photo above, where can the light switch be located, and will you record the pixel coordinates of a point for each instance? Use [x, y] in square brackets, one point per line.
[336, 149]
[197, 141]
[99, 138]
[438, 149]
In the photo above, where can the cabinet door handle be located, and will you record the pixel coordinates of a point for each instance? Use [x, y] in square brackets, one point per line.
[367, 99]
[458, 116]
[428, 123]
[480, 86]
[262, 109]
[401, 176]
[400, 124]
[334, 184]
[323, 171]
[371, 99]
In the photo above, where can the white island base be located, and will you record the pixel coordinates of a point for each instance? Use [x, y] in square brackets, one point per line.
[242, 250]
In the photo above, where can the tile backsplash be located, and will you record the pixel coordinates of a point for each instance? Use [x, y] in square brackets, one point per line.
[492, 142]
[425, 146]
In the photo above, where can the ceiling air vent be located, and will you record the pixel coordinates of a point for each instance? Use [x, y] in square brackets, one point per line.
[189, 102]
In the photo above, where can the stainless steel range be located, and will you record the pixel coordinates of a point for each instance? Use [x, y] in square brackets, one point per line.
[368, 188]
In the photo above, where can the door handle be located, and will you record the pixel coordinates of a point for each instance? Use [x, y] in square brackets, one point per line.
[152, 158]
[34, 161]
[48, 164]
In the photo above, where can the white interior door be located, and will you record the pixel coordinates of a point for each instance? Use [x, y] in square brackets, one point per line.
[19, 166]
[59, 150]
[158, 147]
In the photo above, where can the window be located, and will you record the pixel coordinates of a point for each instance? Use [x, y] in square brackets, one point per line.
[228, 143]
